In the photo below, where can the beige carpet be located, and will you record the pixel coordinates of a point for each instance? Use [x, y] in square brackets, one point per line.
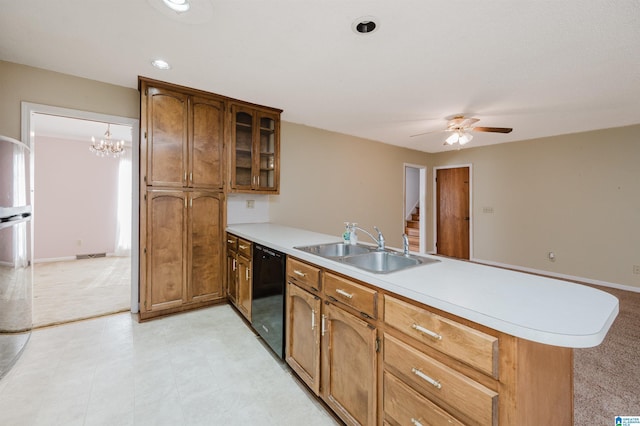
[79, 289]
[607, 377]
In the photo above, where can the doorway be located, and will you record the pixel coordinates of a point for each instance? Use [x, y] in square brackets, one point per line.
[452, 205]
[85, 239]
[415, 195]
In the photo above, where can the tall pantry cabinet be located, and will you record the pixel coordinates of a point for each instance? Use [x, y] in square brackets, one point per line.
[182, 204]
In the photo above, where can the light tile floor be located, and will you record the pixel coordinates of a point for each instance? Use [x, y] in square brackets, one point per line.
[198, 368]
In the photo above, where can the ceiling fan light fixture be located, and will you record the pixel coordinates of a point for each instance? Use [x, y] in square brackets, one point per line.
[453, 138]
[465, 138]
[177, 5]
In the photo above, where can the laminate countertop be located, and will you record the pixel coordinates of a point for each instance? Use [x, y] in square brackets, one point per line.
[540, 309]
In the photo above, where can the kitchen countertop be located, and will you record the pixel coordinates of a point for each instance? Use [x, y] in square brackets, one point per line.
[531, 307]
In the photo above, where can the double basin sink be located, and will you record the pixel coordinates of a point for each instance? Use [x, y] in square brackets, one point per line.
[366, 257]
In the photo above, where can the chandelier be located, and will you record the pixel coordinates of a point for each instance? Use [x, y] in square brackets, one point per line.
[106, 147]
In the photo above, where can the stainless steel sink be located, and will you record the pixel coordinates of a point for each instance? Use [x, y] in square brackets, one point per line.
[366, 257]
[336, 249]
[385, 261]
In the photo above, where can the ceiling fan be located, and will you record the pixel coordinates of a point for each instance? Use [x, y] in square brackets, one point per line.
[460, 126]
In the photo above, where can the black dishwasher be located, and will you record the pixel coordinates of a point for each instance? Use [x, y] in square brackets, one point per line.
[267, 301]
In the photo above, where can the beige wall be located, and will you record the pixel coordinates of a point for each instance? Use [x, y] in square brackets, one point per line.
[577, 195]
[328, 178]
[21, 83]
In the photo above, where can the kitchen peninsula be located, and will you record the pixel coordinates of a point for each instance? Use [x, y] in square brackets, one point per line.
[467, 343]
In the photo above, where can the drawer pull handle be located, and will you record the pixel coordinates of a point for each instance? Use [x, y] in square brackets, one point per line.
[313, 319]
[426, 378]
[344, 293]
[230, 241]
[426, 331]
[299, 273]
[242, 246]
[416, 422]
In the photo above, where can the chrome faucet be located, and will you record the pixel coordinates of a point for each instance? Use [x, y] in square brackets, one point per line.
[379, 240]
[405, 244]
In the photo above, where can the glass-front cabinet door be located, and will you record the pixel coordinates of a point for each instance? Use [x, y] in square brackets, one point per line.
[242, 160]
[268, 152]
[255, 154]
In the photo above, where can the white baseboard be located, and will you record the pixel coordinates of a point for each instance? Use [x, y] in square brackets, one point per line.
[67, 258]
[561, 276]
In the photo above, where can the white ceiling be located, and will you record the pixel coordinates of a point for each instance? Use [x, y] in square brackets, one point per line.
[542, 67]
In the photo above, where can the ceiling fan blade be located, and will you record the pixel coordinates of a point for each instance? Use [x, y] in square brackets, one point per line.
[492, 129]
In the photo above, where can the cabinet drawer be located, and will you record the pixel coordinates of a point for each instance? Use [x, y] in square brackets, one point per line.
[303, 274]
[459, 341]
[407, 407]
[470, 401]
[232, 243]
[360, 298]
[244, 248]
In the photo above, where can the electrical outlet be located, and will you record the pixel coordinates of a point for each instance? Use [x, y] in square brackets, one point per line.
[251, 204]
[636, 269]
[487, 210]
[79, 243]
[551, 256]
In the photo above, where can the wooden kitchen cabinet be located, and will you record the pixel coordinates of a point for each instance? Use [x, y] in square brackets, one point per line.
[244, 286]
[239, 284]
[182, 137]
[302, 350]
[163, 279]
[182, 260]
[431, 367]
[349, 366]
[232, 268]
[255, 150]
[329, 347]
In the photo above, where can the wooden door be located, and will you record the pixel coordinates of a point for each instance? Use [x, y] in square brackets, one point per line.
[452, 212]
[302, 343]
[205, 246]
[166, 138]
[349, 366]
[165, 285]
[206, 137]
[244, 286]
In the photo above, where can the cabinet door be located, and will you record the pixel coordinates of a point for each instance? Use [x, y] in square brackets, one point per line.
[165, 285]
[302, 349]
[242, 152]
[205, 246]
[166, 141]
[232, 272]
[349, 366]
[267, 153]
[244, 286]
[206, 138]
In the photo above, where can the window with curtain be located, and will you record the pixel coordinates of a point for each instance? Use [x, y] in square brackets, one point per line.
[123, 224]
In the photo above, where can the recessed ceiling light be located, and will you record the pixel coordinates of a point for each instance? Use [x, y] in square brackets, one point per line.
[178, 5]
[365, 25]
[160, 64]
